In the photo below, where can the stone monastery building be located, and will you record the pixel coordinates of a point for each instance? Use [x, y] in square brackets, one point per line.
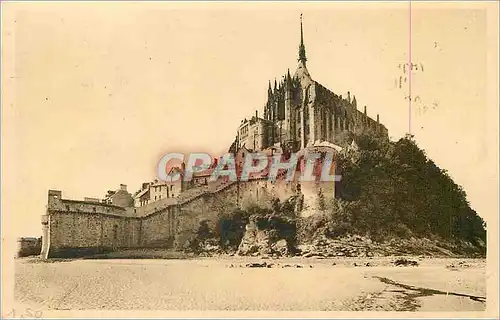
[301, 112]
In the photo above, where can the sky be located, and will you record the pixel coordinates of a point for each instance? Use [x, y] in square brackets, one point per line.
[95, 93]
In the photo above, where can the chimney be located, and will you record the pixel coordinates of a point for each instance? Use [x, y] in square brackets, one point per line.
[378, 119]
[349, 96]
[183, 172]
[365, 110]
[123, 187]
[256, 113]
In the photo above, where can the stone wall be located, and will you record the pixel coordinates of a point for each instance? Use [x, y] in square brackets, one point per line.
[76, 233]
[73, 228]
[158, 229]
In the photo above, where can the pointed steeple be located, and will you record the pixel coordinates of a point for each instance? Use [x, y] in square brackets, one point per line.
[302, 48]
[269, 91]
[288, 80]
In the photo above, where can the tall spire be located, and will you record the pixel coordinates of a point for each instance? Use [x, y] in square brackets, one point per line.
[302, 48]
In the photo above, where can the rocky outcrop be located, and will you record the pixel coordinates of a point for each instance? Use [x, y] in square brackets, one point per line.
[350, 246]
[362, 246]
[258, 242]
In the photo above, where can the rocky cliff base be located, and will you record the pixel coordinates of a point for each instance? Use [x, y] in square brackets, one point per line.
[280, 232]
[265, 243]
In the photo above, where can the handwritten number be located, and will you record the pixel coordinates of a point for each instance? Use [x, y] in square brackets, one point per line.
[28, 313]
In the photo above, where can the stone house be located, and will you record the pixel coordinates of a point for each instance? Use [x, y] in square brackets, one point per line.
[120, 197]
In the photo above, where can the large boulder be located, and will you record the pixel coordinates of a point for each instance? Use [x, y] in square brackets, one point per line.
[280, 247]
[248, 244]
[261, 242]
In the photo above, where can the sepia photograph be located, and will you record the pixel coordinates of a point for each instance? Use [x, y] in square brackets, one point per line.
[249, 159]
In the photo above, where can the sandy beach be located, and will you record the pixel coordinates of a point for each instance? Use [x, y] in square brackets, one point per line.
[235, 283]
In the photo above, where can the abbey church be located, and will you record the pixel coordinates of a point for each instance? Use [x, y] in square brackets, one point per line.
[300, 113]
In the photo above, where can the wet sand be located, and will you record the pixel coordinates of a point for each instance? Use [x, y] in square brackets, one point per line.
[294, 284]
